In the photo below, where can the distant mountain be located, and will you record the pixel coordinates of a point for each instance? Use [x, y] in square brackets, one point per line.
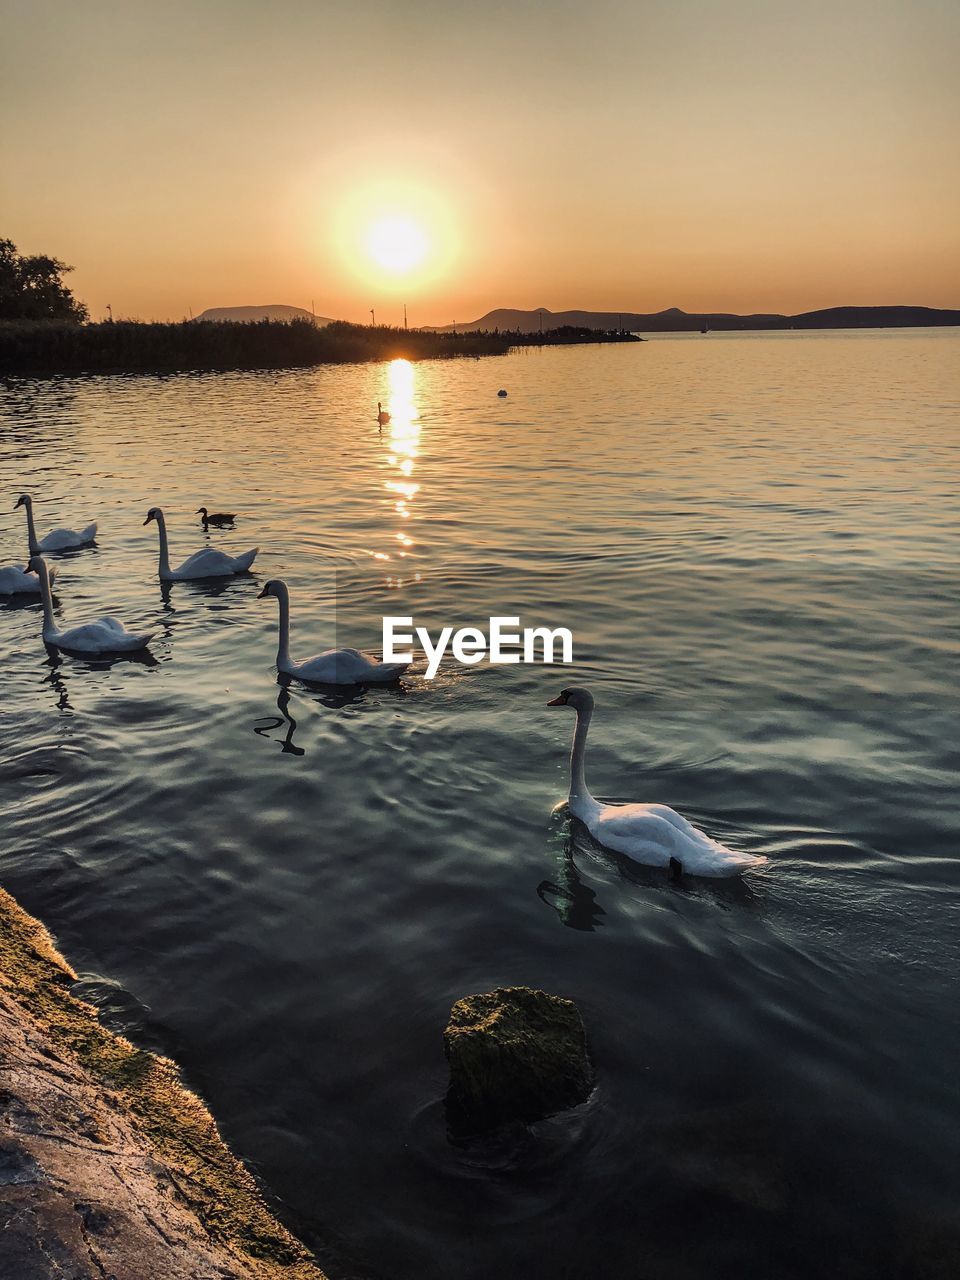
[246, 315]
[674, 320]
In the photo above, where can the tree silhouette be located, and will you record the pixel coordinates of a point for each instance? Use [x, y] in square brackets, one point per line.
[33, 289]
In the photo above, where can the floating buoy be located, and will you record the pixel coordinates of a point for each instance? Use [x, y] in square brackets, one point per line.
[501, 392]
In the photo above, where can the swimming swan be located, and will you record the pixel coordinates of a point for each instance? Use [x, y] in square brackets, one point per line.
[208, 563]
[382, 416]
[57, 539]
[15, 580]
[335, 666]
[106, 635]
[649, 833]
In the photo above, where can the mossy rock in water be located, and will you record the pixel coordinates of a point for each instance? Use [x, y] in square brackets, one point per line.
[514, 1054]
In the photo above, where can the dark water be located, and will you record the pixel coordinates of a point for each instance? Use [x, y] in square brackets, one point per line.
[755, 542]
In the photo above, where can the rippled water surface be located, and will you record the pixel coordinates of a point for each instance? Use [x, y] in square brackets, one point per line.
[755, 542]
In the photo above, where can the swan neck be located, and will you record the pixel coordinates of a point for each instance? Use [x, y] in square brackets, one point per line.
[31, 528]
[578, 785]
[46, 597]
[283, 649]
[164, 549]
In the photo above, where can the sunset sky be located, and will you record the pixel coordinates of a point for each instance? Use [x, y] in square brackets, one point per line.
[619, 154]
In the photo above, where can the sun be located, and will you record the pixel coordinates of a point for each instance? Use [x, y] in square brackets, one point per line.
[396, 243]
[397, 233]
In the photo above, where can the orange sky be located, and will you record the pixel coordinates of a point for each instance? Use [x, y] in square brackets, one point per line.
[626, 154]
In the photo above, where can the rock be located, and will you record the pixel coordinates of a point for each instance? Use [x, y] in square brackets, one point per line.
[514, 1054]
[109, 1166]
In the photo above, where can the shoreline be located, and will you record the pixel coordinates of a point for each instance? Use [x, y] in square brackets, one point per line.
[40, 349]
[110, 1164]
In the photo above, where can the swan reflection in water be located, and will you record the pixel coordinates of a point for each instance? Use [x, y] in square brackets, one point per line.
[55, 680]
[196, 587]
[574, 903]
[57, 668]
[334, 697]
[268, 723]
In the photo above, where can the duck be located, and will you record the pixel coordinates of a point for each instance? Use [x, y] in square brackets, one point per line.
[218, 518]
[16, 580]
[334, 666]
[652, 834]
[382, 416]
[207, 563]
[106, 635]
[57, 539]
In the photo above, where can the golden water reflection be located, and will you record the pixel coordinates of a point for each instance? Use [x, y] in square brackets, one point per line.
[403, 432]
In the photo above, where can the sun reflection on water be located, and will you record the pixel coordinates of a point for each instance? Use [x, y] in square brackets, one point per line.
[404, 440]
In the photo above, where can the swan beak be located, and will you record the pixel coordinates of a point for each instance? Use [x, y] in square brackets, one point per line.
[147, 521]
[557, 702]
[263, 593]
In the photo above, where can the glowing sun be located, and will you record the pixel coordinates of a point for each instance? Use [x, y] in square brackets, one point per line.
[396, 244]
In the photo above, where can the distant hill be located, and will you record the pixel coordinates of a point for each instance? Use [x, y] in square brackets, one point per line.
[674, 320]
[246, 315]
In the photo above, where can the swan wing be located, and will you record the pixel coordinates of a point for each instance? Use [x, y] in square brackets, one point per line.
[655, 833]
[63, 539]
[347, 666]
[366, 669]
[206, 563]
[103, 636]
[211, 563]
[14, 581]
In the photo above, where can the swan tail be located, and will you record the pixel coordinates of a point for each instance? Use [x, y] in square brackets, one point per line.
[734, 863]
[386, 671]
[133, 642]
[242, 563]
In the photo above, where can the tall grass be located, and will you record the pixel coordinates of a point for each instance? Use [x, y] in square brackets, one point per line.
[128, 346]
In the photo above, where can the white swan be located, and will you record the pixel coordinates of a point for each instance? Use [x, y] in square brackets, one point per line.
[335, 666]
[106, 635]
[649, 833]
[16, 580]
[57, 539]
[208, 563]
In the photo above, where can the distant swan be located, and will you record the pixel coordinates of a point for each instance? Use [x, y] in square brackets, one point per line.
[335, 666]
[649, 833]
[216, 517]
[57, 539]
[382, 416]
[15, 580]
[208, 563]
[106, 635]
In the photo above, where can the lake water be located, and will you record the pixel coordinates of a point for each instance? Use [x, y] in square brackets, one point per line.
[754, 540]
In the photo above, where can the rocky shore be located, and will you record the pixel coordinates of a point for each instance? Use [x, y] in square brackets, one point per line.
[109, 1166]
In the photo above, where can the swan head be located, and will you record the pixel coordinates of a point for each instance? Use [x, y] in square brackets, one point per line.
[22, 501]
[580, 699]
[200, 511]
[152, 514]
[275, 587]
[35, 564]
